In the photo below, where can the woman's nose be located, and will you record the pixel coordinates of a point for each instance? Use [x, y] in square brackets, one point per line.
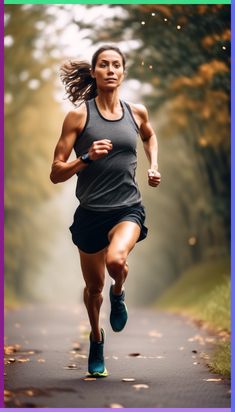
[110, 69]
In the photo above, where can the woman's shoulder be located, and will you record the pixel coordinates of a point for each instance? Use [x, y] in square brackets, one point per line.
[138, 109]
[77, 113]
[76, 118]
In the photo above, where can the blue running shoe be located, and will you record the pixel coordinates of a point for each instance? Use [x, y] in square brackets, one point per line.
[96, 365]
[118, 315]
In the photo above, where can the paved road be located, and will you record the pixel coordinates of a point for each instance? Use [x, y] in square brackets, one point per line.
[48, 367]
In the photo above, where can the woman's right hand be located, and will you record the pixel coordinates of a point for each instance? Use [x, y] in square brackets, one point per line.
[99, 149]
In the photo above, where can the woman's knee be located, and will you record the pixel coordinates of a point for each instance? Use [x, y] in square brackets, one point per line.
[94, 289]
[115, 262]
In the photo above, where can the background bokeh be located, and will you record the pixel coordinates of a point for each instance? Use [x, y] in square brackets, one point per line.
[179, 66]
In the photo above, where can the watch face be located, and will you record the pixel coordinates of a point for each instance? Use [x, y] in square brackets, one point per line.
[85, 158]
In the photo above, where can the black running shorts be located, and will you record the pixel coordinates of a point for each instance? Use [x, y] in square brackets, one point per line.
[90, 228]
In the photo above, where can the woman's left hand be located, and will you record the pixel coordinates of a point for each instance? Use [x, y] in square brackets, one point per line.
[154, 177]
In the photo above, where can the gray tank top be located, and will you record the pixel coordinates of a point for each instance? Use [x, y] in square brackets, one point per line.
[109, 183]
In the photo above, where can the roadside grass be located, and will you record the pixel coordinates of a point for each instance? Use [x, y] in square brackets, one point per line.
[203, 293]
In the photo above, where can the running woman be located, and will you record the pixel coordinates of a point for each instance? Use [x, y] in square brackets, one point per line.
[103, 131]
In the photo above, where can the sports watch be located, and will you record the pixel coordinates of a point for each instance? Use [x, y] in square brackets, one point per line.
[85, 158]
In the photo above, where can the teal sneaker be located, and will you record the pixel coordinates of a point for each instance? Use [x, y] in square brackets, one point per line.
[118, 315]
[96, 365]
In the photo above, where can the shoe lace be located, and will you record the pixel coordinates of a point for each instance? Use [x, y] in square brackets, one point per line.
[118, 305]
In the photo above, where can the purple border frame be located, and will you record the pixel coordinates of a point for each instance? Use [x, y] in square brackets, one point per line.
[232, 185]
[2, 236]
[2, 205]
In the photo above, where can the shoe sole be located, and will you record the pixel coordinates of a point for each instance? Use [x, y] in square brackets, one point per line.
[98, 374]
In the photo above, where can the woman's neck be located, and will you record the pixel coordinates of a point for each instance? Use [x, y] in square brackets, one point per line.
[108, 102]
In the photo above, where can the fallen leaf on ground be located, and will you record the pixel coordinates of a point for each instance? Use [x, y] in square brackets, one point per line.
[11, 360]
[140, 386]
[115, 405]
[204, 355]
[76, 346]
[213, 380]
[89, 379]
[155, 334]
[22, 360]
[79, 355]
[198, 338]
[210, 340]
[194, 351]
[71, 367]
[196, 363]
[134, 354]
[41, 360]
[181, 348]
[10, 349]
[128, 380]
[29, 392]
[115, 357]
[8, 393]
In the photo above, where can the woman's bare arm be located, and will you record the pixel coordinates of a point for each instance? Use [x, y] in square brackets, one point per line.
[149, 142]
[73, 125]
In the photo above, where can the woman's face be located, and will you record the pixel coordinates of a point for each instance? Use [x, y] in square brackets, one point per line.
[109, 70]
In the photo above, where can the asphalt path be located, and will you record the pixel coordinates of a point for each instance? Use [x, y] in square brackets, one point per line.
[161, 357]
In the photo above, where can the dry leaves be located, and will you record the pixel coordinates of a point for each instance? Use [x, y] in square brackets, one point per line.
[197, 338]
[76, 346]
[89, 379]
[134, 354]
[41, 360]
[79, 355]
[115, 405]
[213, 380]
[10, 349]
[23, 360]
[140, 386]
[128, 380]
[73, 366]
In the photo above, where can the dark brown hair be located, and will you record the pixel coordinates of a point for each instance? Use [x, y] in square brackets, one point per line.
[76, 76]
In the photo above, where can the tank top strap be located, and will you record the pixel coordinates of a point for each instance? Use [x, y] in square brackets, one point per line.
[129, 114]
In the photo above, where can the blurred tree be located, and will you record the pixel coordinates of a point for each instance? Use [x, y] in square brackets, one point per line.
[31, 114]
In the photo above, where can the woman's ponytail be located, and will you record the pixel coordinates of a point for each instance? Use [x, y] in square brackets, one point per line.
[79, 84]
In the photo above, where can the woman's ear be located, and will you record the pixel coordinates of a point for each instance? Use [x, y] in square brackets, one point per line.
[92, 74]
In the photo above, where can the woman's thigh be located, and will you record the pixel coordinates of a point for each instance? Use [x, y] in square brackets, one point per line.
[123, 237]
[93, 268]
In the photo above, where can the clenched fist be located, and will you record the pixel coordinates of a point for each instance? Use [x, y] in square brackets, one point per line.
[154, 177]
[99, 149]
